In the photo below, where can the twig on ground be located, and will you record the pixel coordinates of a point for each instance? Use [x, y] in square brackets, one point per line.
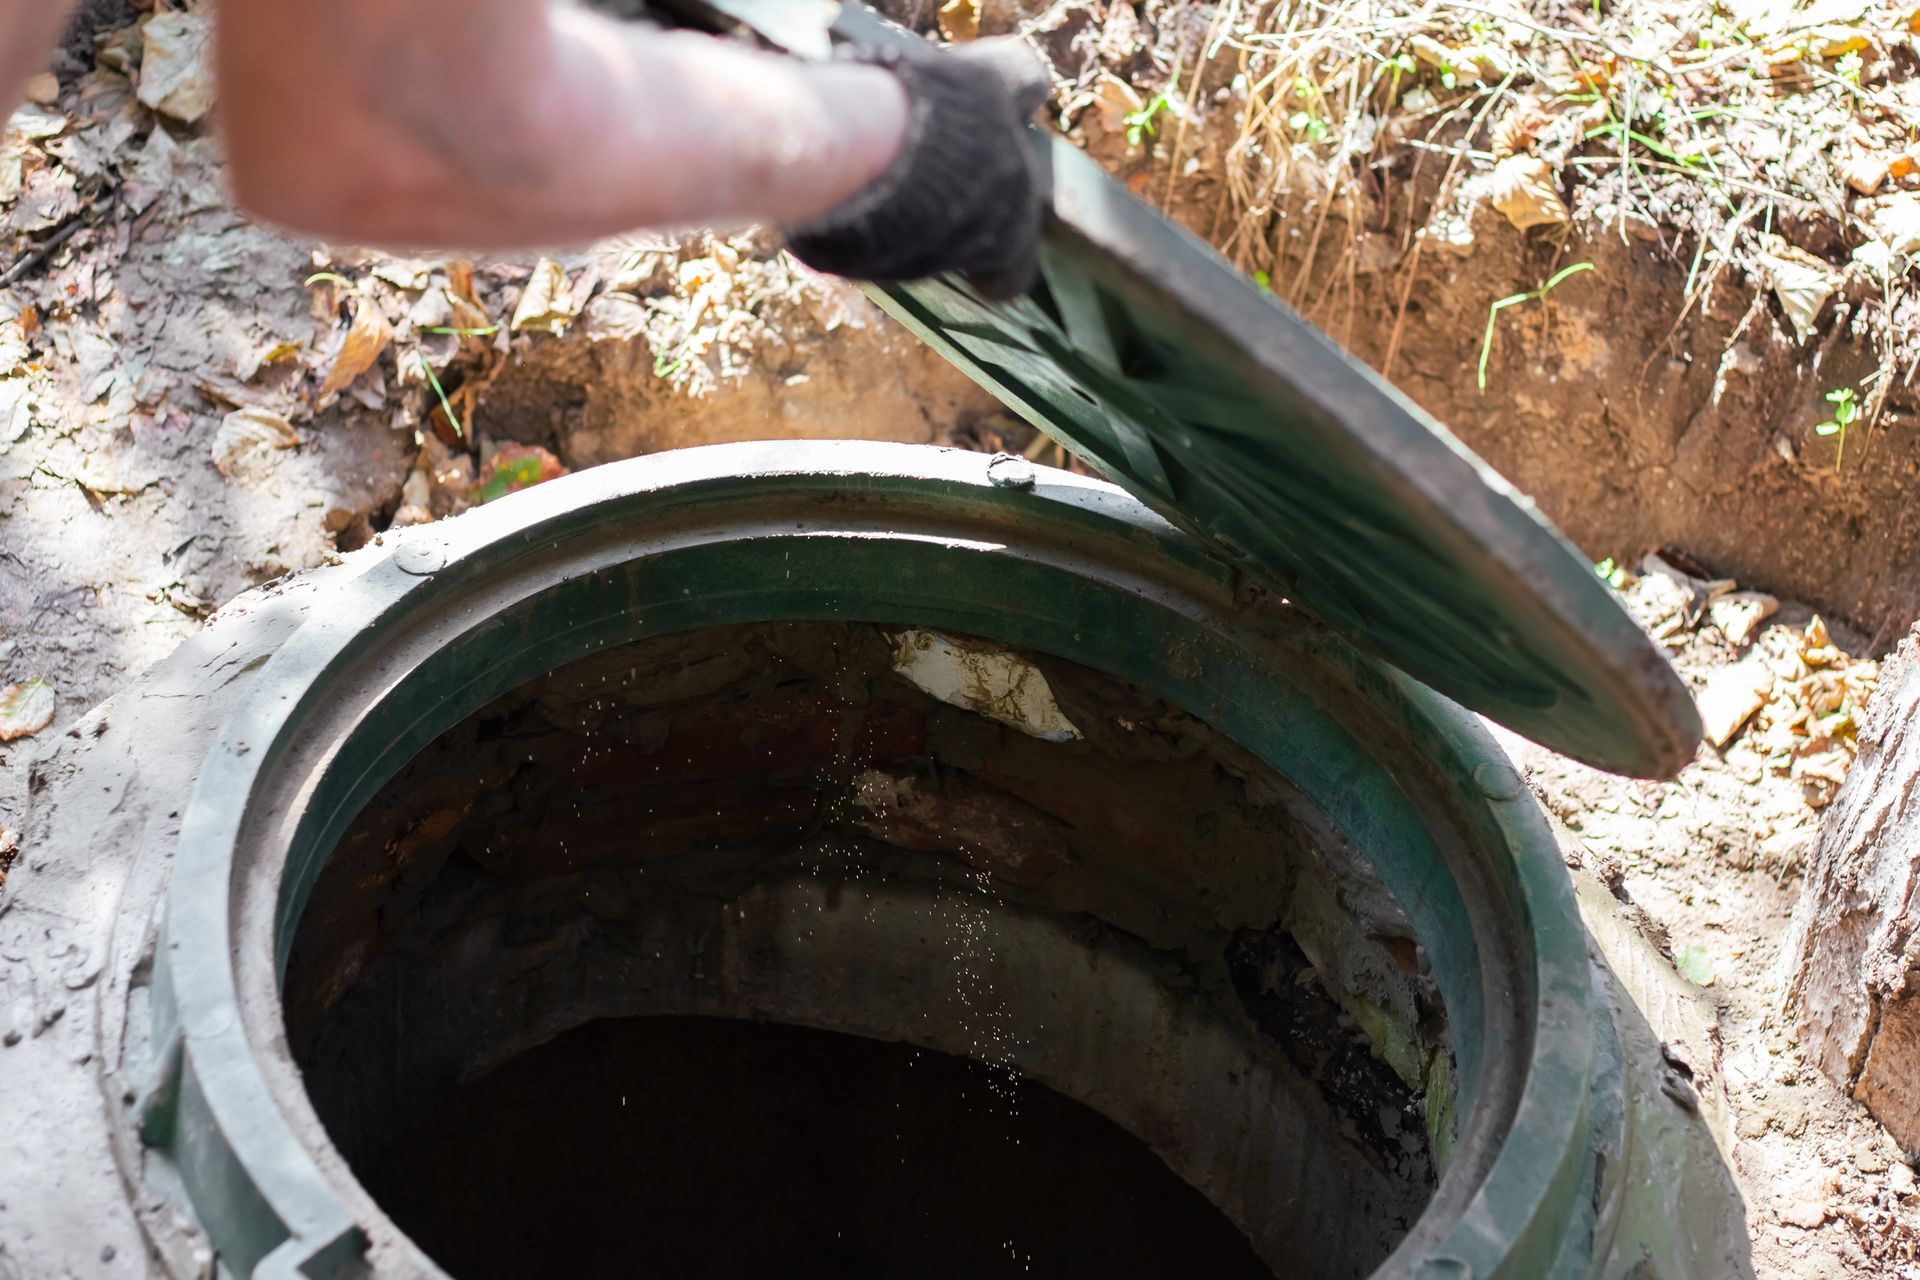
[44, 250]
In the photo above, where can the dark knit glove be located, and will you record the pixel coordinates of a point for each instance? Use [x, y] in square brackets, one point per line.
[964, 194]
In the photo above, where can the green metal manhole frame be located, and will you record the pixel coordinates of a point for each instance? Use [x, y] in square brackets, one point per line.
[452, 615]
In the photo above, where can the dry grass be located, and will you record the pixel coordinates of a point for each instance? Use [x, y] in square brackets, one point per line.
[1711, 127]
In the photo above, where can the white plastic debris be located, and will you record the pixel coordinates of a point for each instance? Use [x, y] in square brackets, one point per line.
[999, 685]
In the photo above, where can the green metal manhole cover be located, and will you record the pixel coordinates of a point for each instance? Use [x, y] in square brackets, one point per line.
[1148, 355]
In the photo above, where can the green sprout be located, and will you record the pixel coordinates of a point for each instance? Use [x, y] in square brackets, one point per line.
[1514, 300]
[1402, 65]
[1311, 125]
[1264, 280]
[1141, 123]
[1846, 411]
[1848, 67]
[665, 368]
[1611, 573]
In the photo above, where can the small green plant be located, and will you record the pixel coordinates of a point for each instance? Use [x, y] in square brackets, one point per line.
[1402, 65]
[1311, 125]
[1141, 123]
[1265, 281]
[1514, 300]
[1614, 575]
[485, 331]
[665, 368]
[1846, 411]
[1848, 68]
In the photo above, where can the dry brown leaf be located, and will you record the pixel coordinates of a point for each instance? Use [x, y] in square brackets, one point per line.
[366, 337]
[16, 409]
[245, 430]
[1431, 51]
[1864, 172]
[959, 20]
[546, 303]
[34, 123]
[1524, 190]
[1730, 698]
[1898, 222]
[1516, 130]
[12, 172]
[25, 709]
[43, 89]
[176, 68]
[1802, 282]
[272, 351]
[460, 281]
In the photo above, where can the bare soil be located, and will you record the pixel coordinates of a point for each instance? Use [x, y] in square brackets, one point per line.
[1667, 396]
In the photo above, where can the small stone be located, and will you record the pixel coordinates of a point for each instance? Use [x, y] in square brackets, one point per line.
[1811, 1203]
[1871, 1160]
[1753, 1125]
[1900, 1178]
[12, 1037]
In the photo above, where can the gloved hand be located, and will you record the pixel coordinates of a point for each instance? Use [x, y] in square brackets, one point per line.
[964, 194]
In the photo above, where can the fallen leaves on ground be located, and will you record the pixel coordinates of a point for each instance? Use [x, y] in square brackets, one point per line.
[25, 709]
[1809, 728]
[514, 467]
[1525, 191]
[1795, 699]
[176, 66]
[16, 410]
[1802, 283]
[360, 344]
[546, 304]
[244, 430]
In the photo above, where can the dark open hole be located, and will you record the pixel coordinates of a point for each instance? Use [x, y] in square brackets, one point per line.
[1124, 923]
[697, 1147]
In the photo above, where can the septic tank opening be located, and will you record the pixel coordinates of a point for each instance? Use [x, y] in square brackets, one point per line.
[895, 850]
[699, 1147]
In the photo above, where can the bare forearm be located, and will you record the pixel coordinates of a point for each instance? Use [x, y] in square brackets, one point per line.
[28, 29]
[501, 123]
